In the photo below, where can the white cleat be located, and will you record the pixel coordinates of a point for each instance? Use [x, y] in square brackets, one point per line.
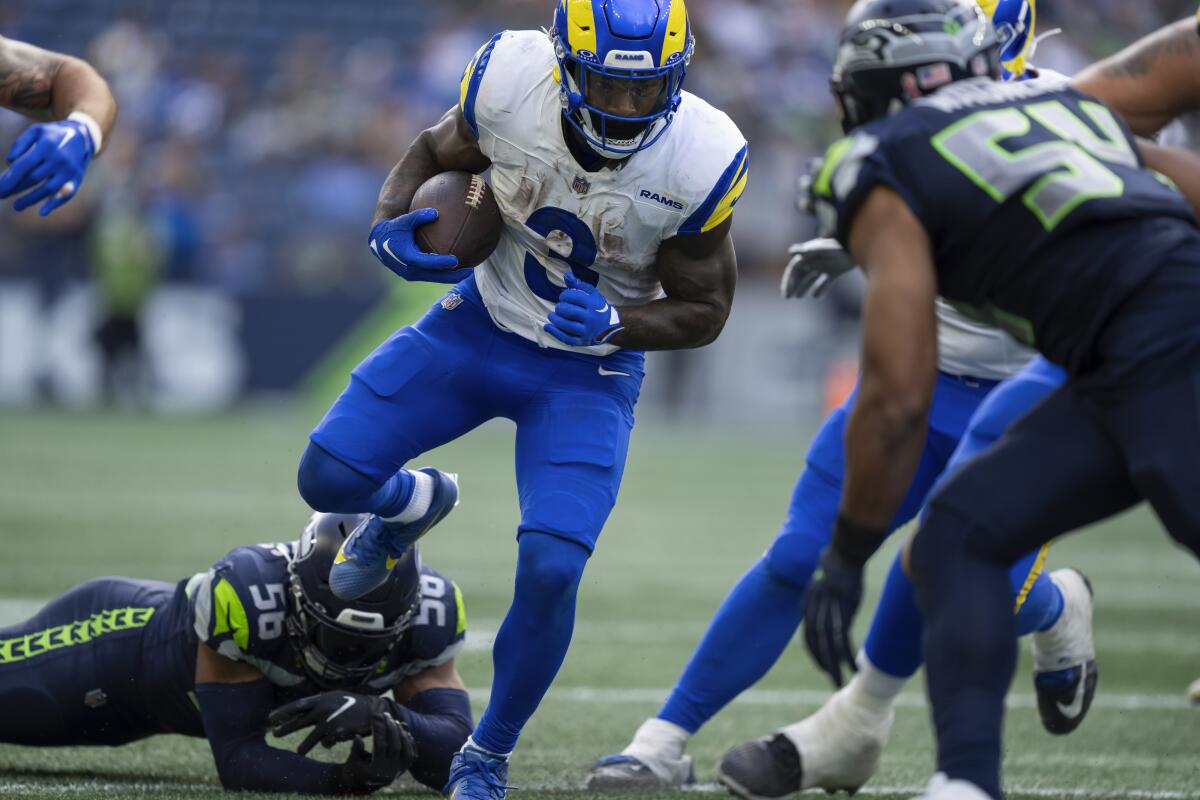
[1064, 657]
[1194, 691]
[654, 760]
[942, 788]
[836, 749]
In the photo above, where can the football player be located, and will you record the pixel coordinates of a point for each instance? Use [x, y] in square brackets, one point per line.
[616, 189]
[1027, 203]
[75, 112]
[256, 642]
[840, 747]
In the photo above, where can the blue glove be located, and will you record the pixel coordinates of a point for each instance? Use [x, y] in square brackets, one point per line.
[583, 317]
[829, 607]
[393, 244]
[51, 159]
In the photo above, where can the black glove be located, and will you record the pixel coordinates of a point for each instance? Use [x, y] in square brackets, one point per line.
[335, 717]
[829, 608]
[392, 752]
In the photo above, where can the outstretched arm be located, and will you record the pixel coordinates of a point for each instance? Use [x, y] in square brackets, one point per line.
[1152, 81]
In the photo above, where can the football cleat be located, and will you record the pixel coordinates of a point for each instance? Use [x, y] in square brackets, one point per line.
[1064, 657]
[767, 767]
[476, 774]
[374, 547]
[942, 788]
[622, 772]
[1194, 691]
[836, 749]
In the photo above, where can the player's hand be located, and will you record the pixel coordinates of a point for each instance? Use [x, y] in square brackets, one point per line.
[393, 243]
[334, 717]
[829, 607]
[583, 317]
[48, 160]
[393, 751]
[813, 266]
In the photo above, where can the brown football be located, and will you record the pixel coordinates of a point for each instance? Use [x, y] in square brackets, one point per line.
[468, 223]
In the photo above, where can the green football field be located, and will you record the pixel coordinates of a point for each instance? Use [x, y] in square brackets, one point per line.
[89, 495]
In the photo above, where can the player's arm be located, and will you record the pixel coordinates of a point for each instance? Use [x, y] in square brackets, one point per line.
[886, 430]
[1152, 81]
[235, 701]
[48, 160]
[1181, 166]
[448, 145]
[433, 705]
[698, 273]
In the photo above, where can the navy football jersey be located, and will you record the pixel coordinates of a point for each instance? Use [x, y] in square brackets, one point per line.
[1033, 195]
[238, 609]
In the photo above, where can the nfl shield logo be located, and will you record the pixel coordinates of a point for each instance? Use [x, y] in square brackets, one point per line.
[581, 184]
[452, 301]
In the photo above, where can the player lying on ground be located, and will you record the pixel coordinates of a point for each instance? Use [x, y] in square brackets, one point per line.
[616, 190]
[840, 749]
[219, 654]
[1027, 203]
[76, 112]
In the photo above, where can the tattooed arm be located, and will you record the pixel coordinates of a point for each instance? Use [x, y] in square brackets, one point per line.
[47, 86]
[1153, 80]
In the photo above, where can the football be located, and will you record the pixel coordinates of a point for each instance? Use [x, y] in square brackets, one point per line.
[468, 223]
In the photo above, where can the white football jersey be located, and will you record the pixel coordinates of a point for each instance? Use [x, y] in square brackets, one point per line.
[607, 224]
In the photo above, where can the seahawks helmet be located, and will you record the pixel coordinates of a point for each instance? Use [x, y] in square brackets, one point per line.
[635, 49]
[340, 644]
[894, 51]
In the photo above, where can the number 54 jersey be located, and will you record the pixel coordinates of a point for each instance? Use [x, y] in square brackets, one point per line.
[607, 225]
[1033, 196]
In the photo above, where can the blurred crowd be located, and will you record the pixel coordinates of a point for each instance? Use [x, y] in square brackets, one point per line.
[254, 134]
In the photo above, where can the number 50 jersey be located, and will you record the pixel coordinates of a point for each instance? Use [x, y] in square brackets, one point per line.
[606, 226]
[1033, 196]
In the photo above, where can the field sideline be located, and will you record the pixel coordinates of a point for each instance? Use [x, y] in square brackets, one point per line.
[89, 495]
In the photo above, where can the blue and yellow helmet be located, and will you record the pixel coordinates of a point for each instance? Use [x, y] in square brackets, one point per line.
[638, 50]
[1014, 21]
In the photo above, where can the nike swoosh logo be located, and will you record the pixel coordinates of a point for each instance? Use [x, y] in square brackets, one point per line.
[340, 558]
[390, 562]
[388, 250]
[70, 135]
[607, 372]
[345, 707]
[602, 310]
[1071, 710]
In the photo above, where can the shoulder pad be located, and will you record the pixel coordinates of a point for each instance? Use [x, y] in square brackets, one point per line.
[714, 164]
[437, 634]
[498, 78]
[240, 604]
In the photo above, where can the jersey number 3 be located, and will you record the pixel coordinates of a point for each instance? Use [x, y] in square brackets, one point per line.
[546, 221]
[1062, 171]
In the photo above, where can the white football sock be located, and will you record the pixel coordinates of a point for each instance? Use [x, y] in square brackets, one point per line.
[873, 689]
[418, 504]
[657, 738]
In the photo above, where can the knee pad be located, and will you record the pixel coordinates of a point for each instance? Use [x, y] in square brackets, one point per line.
[549, 567]
[328, 485]
[792, 558]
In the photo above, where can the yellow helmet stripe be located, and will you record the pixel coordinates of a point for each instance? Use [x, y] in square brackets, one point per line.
[581, 25]
[675, 38]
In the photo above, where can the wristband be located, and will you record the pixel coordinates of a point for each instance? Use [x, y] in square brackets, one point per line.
[854, 543]
[93, 129]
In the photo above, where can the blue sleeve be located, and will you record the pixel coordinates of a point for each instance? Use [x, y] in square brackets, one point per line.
[235, 722]
[440, 722]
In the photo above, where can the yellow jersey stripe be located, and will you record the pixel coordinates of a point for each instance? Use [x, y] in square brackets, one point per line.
[725, 206]
[460, 608]
[229, 614]
[717, 207]
[74, 633]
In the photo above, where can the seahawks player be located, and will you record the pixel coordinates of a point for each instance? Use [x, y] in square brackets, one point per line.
[74, 110]
[1026, 203]
[841, 748]
[616, 189]
[219, 654]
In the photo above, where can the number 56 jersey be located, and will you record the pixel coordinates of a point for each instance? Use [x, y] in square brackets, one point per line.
[1041, 217]
[607, 225]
